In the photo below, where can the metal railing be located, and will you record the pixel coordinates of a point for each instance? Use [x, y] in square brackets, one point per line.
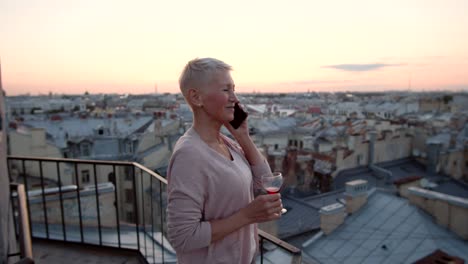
[104, 203]
[295, 253]
[19, 202]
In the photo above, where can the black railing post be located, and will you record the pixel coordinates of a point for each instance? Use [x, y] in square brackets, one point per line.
[61, 200]
[162, 219]
[152, 220]
[116, 204]
[97, 203]
[135, 204]
[13, 209]
[41, 174]
[79, 201]
[143, 210]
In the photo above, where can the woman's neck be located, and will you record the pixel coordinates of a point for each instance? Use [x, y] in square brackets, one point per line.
[207, 129]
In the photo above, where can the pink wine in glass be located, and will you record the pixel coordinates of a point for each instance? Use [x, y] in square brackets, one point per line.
[272, 183]
[272, 190]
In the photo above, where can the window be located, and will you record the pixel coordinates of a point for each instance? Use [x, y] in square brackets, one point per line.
[85, 149]
[129, 196]
[276, 146]
[129, 147]
[85, 176]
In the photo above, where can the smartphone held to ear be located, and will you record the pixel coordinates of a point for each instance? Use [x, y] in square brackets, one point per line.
[239, 117]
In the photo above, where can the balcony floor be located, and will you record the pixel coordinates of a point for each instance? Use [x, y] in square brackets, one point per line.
[58, 252]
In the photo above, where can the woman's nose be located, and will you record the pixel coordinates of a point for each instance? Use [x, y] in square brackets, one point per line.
[234, 98]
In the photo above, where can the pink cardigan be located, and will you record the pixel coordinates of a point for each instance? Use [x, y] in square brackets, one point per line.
[203, 185]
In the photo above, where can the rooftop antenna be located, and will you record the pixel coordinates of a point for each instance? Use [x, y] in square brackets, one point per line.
[155, 88]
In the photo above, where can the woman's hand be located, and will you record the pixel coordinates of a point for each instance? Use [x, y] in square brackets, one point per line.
[263, 208]
[242, 132]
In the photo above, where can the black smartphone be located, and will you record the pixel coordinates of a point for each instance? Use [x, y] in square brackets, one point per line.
[239, 116]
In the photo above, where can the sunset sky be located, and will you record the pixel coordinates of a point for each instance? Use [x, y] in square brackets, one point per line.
[111, 46]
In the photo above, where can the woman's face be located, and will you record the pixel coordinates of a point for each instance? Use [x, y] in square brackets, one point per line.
[218, 97]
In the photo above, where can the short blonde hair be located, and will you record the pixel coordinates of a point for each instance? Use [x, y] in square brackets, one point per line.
[199, 72]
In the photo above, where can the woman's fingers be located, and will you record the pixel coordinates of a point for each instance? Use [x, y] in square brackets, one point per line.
[272, 205]
[264, 208]
[270, 200]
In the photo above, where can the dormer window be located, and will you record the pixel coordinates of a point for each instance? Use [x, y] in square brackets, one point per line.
[101, 131]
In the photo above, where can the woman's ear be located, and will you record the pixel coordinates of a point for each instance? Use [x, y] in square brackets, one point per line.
[194, 97]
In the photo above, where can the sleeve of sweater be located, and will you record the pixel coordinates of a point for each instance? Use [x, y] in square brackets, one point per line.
[257, 172]
[187, 229]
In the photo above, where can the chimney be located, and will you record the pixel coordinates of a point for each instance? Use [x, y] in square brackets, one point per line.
[433, 149]
[291, 158]
[331, 217]
[355, 195]
[158, 130]
[372, 136]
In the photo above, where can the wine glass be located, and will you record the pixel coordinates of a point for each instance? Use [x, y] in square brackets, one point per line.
[272, 183]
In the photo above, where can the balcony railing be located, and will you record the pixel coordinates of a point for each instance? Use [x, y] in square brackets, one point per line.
[104, 203]
[22, 228]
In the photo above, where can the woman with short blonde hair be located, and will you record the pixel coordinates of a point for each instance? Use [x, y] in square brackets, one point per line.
[212, 211]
